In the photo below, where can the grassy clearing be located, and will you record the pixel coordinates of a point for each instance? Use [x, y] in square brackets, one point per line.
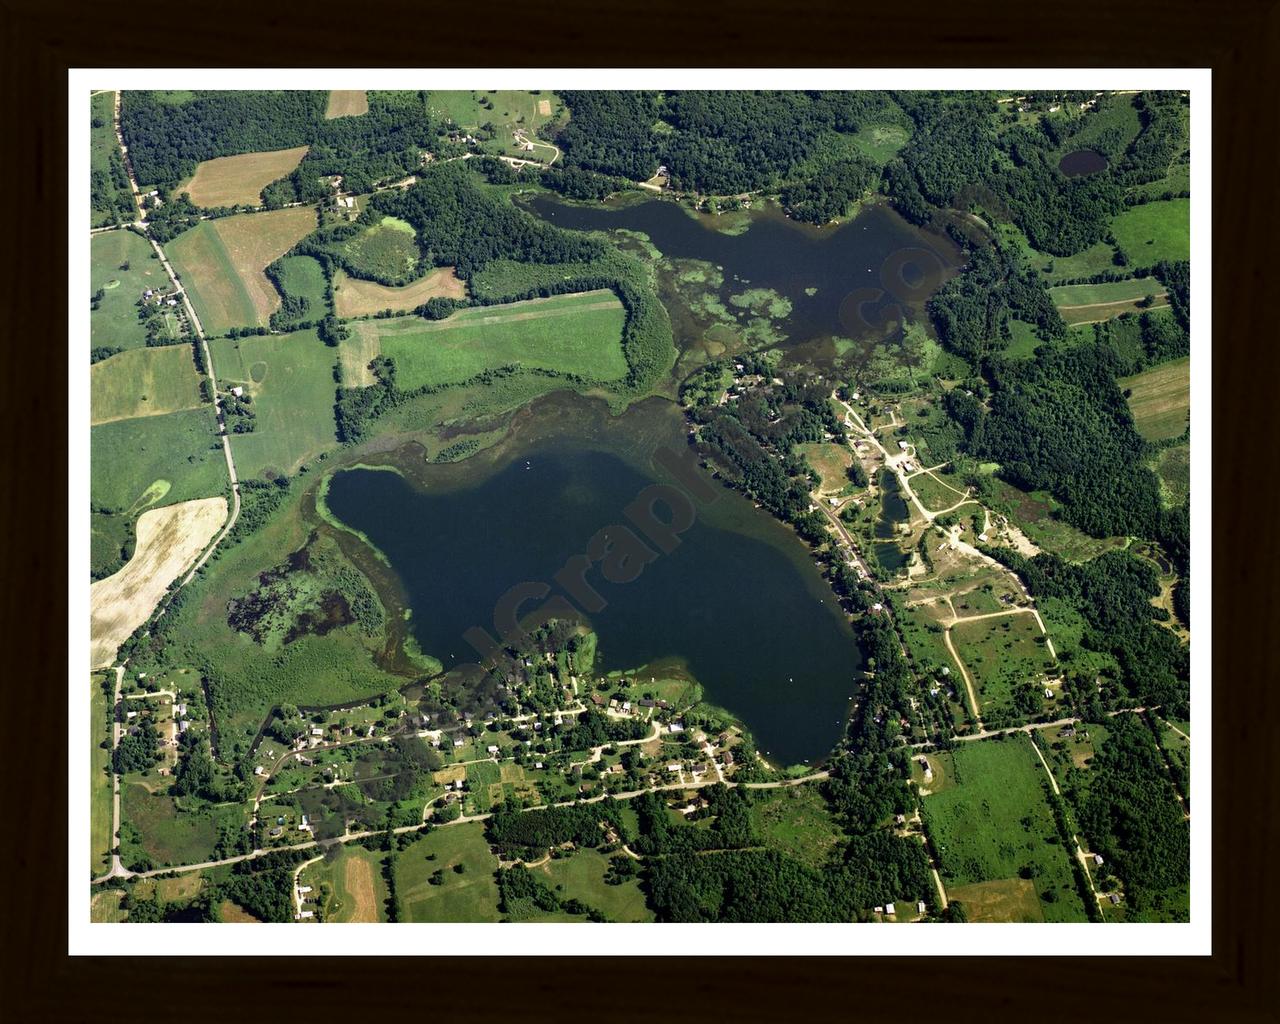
[995, 825]
[115, 322]
[239, 180]
[354, 297]
[143, 382]
[347, 103]
[581, 877]
[302, 277]
[292, 398]
[167, 835]
[1173, 467]
[1160, 399]
[796, 822]
[829, 461]
[471, 895]
[1009, 900]
[356, 351]
[170, 539]
[880, 142]
[1155, 231]
[1034, 512]
[506, 109]
[569, 334]
[938, 492]
[387, 250]
[221, 263]
[1001, 655]
[180, 450]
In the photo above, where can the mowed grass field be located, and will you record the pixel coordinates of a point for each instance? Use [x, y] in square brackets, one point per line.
[1160, 399]
[978, 828]
[99, 777]
[135, 463]
[239, 180]
[579, 334]
[1155, 231]
[1090, 303]
[581, 877]
[939, 492]
[115, 322]
[469, 896]
[347, 103]
[143, 382]
[221, 262]
[1001, 654]
[289, 378]
[355, 297]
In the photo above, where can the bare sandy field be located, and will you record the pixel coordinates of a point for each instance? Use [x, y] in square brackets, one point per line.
[237, 180]
[170, 539]
[353, 297]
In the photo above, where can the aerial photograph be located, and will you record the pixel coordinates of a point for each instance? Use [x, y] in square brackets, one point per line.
[561, 506]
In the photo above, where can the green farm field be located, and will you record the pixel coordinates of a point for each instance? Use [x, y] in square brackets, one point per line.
[978, 826]
[221, 263]
[1155, 231]
[469, 896]
[178, 452]
[571, 334]
[1001, 654]
[167, 834]
[829, 461]
[143, 382]
[115, 322]
[1160, 399]
[1069, 295]
[290, 380]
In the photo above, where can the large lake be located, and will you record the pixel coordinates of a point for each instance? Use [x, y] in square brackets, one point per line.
[739, 602]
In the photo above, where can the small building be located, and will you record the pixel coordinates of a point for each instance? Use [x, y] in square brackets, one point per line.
[1097, 859]
[878, 910]
[182, 726]
[537, 764]
[675, 727]
[890, 909]
[673, 767]
[626, 705]
[491, 749]
[304, 889]
[1048, 692]
[902, 445]
[900, 819]
[238, 391]
[131, 714]
[277, 832]
[458, 743]
[1115, 899]
[316, 731]
[180, 710]
[946, 671]
[646, 703]
[597, 700]
[257, 770]
[306, 915]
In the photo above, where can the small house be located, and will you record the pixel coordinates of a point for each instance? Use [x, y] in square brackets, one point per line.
[1097, 859]
[257, 770]
[889, 908]
[304, 889]
[458, 743]
[238, 391]
[491, 749]
[920, 907]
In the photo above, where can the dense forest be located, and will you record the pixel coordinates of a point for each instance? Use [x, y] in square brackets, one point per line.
[166, 140]
[1045, 415]
[718, 142]
[1127, 807]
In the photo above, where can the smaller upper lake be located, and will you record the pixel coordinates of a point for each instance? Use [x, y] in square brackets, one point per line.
[840, 281]
[1082, 162]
